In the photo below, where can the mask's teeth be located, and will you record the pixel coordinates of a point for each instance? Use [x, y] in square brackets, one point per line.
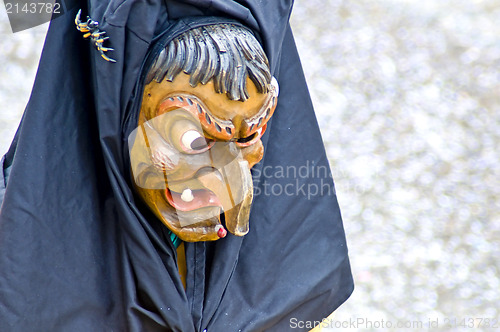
[187, 195]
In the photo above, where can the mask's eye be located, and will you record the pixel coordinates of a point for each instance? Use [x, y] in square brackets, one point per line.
[193, 142]
[252, 139]
[184, 133]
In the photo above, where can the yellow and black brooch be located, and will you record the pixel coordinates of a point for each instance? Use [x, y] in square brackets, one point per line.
[90, 28]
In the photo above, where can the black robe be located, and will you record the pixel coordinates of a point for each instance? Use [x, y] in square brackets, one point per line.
[80, 252]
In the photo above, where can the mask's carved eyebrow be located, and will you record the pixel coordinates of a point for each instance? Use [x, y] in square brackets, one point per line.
[213, 126]
[219, 127]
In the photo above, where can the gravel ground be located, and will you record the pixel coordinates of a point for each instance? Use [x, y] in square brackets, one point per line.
[407, 95]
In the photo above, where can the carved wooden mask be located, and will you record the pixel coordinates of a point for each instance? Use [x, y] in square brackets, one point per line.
[199, 131]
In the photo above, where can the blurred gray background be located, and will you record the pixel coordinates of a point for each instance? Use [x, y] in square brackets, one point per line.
[407, 94]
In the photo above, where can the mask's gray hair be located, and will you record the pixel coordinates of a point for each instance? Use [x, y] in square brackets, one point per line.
[224, 53]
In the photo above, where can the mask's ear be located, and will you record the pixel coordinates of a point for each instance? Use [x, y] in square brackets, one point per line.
[274, 83]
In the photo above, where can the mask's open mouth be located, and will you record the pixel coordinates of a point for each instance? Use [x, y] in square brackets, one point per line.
[190, 200]
[219, 197]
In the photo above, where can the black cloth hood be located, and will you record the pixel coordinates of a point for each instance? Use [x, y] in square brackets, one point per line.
[78, 252]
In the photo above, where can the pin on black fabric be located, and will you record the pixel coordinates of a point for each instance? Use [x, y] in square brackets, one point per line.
[79, 252]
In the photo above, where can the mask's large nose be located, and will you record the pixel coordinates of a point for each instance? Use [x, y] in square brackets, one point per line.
[235, 191]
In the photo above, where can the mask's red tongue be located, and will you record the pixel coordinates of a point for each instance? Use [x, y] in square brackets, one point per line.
[199, 198]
